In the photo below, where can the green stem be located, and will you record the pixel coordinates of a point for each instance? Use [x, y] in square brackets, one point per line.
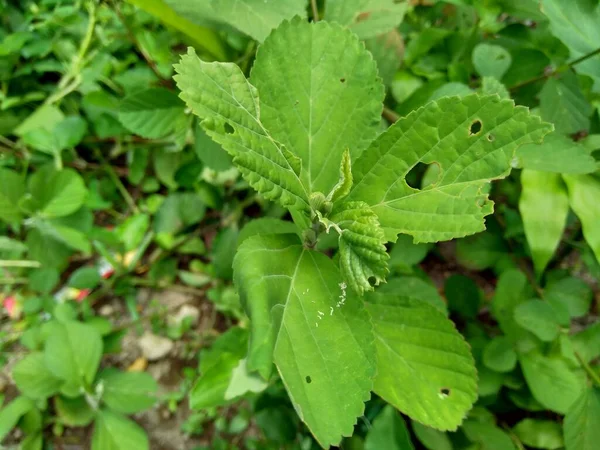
[117, 181]
[558, 70]
[18, 263]
[315, 10]
[591, 372]
[11, 281]
[390, 115]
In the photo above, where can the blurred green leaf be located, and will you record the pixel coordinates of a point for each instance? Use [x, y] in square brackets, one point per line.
[388, 432]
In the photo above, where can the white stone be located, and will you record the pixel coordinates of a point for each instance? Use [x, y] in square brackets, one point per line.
[154, 347]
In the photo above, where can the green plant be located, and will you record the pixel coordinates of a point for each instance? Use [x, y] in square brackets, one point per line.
[303, 131]
[61, 372]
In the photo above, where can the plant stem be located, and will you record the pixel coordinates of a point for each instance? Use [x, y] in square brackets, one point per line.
[558, 70]
[118, 183]
[591, 373]
[390, 115]
[315, 10]
[18, 263]
[11, 281]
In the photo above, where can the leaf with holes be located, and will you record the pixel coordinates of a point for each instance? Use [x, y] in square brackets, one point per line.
[315, 330]
[472, 139]
[424, 366]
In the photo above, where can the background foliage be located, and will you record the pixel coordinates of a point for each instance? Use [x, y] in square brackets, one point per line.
[120, 218]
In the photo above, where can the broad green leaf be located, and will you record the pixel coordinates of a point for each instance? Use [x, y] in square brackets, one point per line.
[85, 278]
[73, 352]
[491, 60]
[57, 193]
[202, 37]
[12, 413]
[563, 103]
[34, 379]
[220, 94]
[266, 225]
[487, 436]
[320, 95]
[551, 381]
[499, 354]
[306, 320]
[366, 18]
[581, 422]
[151, 113]
[388, 432]
[543, 192]
[558, 154]
[46, 248]
[571, 294]
[74, 412]
[539, 433]
[12, 188]
[449, 90]
[113, 431]
[491, 86]
[405, 254]
[256, 18]
[575, 23]
[66, 134]
[414, 288]
[431, 438]
[179, 210]
[363, 256]
[511, 291]
[424, 366]
[242, 382]
[472, 139]
[388, 52]
[46, 116]
[128, 392]
[584, 192]
[587, 342]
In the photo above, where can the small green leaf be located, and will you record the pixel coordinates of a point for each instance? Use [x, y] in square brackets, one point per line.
[152, 113]
[363, 256]
[12, 188]
[73, 352]
[499, 354]
[472, 139]
[563, 103]
[128, 392]
[34, 379]
[266, 164]
[581, 422]
[366, 18]
[388, 432]
[12, 413]
[543, 192]
[491, 60]
[179, 210]
[85, 278]
[539, 318]
[343, 186]
[242, 382]
[424, 366]
[511, 291]
[491, 86]
[74, 412]
[431, 438]
[539, 433]
[551, 381]
[57, 193]
[571, 294]
[584, 191]
[114, 431]
[558, 154]
[487, 436]
[296, 298]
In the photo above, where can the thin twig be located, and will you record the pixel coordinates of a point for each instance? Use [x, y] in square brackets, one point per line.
[315, 10]
[556, 71]
[18, 263]
[118, 183]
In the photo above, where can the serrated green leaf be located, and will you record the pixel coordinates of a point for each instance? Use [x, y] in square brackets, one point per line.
[424, 366]
[73, 352]
[558, 154]
[575, 23]
[491, 86]
[366, 18]
[539, 433]
[12, 188]
[11, 413]
[152, 113]
[34, 379]
[320, 95]
[584, 192]
[57, 193]
[543, 192]
[388, 432]
[491, 60]
[581, 422]
[472, 139]
[128, 392]
[114, 431]
[563, 103]
[551, 381]
[363, 256]
[299, 307]
[220, 94]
